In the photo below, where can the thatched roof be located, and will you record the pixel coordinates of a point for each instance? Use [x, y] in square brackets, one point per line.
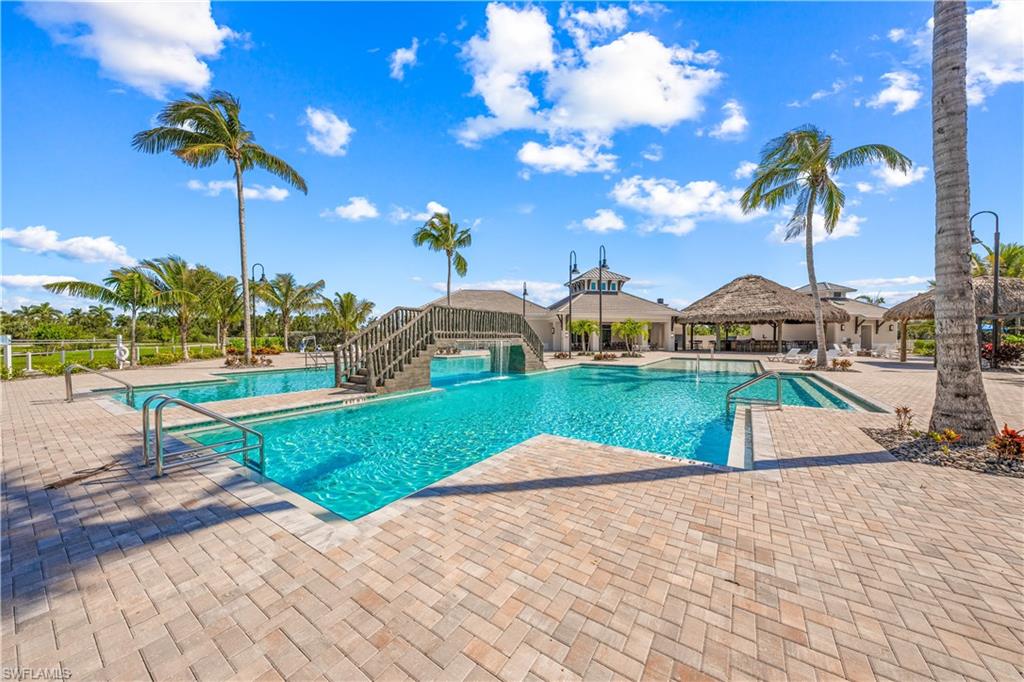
[752, 299]
[922, 306]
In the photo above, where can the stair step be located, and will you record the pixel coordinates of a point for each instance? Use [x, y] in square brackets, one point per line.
[358, 379]
[354, 387]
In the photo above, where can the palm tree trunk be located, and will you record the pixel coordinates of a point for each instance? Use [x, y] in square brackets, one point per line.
[449, 287]
[819, 325]
[242, 247]
[960, 400]
[285, 328]
[131, 342]
[183, 331]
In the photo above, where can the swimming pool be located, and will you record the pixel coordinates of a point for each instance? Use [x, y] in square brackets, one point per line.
[240, 385]
[355, 460]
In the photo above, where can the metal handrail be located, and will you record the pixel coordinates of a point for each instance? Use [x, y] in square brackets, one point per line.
[158, 439]
[750, 382]
[70, 393]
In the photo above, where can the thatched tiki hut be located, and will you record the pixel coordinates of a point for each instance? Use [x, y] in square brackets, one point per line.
[922, 306]
[752, 299]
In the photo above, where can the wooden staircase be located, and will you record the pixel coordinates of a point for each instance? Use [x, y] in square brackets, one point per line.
[376, 358]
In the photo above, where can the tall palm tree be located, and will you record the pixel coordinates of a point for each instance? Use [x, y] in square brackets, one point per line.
[346, 313]
[1011, 260]
[799, 165]
[125, 288]
[960, 400]
[223, 305]
[202, 131]
[584, 328]
[178, 289]
[289, 298]
[441, 234]
[43, 313]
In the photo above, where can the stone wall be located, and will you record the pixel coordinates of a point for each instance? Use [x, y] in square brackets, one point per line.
[416, 374]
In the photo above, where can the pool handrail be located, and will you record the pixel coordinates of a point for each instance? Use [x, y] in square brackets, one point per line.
[70, 396]
[750, 382]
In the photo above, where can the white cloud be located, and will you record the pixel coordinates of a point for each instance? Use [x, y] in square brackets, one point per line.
[31, 281]
[654, 152]
[214, 188]
[744, 170]
[897, 34]
[734, 124]
[541, 293]
[327, 133]
[399, 214]
[150, 46]
[903, 92]
[604, 220]
[403, 58]
[676, 208]
[40, 239]
[357, 208]
[589, 91]
[848, 226]
[894, 178]
[565, 158]
[881, 282]
[525, 209]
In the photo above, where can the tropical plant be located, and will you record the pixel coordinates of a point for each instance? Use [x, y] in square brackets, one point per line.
[223, 305]
[346, 313]
[960, 400]
[584, 328]
[631, 331]
[289, 298]
[439, 233]
[125, 288]
[877, 299]
[179, 289]
[202, 131]
[1011, 260]
[1008, 443]
[799, 165]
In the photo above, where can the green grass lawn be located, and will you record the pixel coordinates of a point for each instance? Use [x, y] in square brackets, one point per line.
[100, 354]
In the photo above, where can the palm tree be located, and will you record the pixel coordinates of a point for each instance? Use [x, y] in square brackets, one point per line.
[346, 313]
[1011, 260]
[223, 305]
[630, 330]
[877, 299]
[201, 132]
[799, 165]
[178, 289]
[960, 400]
[584, 328]
[441, 234]
[43, 313]
[125, 288]
[284, 295]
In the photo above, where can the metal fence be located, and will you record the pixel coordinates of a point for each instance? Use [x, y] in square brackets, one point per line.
[30, 354]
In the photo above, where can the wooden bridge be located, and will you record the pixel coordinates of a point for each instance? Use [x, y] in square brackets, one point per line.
[394, 352]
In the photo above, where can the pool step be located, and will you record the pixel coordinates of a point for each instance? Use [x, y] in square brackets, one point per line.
[357, 381]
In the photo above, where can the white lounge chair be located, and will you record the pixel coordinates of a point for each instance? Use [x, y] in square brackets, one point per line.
[799, 357]
[855, 348]
[880, 351]
[784, 357]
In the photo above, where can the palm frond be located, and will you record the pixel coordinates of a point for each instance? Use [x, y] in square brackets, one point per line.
[870, 153]
[832, 202]
[254, 155]
[461, 266]
[166, 138]
[201, 155]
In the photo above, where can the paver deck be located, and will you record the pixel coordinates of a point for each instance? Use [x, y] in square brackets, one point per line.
[553, 560]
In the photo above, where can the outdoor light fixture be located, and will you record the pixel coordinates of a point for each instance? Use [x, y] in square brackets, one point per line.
[995, 284]
[525, 294]
[573, 272]
[263, 280]
[602, 264]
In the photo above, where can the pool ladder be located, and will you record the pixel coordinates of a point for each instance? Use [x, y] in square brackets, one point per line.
[313, 354]
[70, 395]
[750, 382]
[201, 453]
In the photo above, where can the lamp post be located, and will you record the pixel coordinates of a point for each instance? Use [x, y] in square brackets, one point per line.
[602, 263]
[995, 284]
[263, 280]
[573, 272]
[525, 294]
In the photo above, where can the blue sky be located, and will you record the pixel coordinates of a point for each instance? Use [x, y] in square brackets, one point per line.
[546, 127]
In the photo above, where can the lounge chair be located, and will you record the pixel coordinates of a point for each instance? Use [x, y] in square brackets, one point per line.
[881, 350]
[799, 357]
[855, 348]
[784, 357]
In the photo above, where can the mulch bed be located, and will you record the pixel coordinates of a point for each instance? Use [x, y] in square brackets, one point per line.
[923, 449]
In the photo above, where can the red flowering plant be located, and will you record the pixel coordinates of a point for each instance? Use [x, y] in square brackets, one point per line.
[1008, 443]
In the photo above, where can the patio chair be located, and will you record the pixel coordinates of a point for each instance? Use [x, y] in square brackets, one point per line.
[855, 348]
[784, 357]
[880, 351]
[799, 357]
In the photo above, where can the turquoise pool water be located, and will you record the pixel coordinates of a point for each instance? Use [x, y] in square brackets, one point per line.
[241, 385]
[355, 460]
[456, 369]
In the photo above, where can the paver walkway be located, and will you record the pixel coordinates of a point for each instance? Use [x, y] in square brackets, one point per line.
[553, 560]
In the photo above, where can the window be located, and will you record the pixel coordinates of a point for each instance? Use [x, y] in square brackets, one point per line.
[613, 286]
[593, 285]
[604, 286]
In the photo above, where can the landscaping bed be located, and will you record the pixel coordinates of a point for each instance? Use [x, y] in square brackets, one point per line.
[921, 447]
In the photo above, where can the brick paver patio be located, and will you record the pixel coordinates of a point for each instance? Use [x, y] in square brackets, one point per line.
[553, 560]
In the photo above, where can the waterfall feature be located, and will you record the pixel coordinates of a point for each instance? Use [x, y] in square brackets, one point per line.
[499, 356]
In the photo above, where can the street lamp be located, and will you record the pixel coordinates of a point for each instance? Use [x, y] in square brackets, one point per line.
[573, 272]
[602, 263]
[995, 285]
[525, 294]
[262, 280]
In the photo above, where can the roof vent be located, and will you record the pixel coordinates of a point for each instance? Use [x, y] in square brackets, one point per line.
[661, 301]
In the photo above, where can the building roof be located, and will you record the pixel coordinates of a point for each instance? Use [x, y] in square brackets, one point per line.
[868, 311]
[826, 287]
[922, 306]
[619, 305]
[491, 299]
[605, 274]
[753, 299]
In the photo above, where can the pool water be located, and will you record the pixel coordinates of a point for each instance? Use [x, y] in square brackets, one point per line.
[355, 460]
[447, 370]
[241, 385]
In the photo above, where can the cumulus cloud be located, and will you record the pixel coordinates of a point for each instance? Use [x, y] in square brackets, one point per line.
[892, 179]
[744, 170]
[848, 226]
[903, 92]
[565, 158]
[150, 46]
[214, 188]
[882, 282]
[357, 208]
[654, 152]
[604, 220]
[399, 214]
[42, 240]
[582, 95]
[327, 133]
[31, 281]
[838, 86]
[403, 58]
[734, 124]
[676, 209]
[540, 292]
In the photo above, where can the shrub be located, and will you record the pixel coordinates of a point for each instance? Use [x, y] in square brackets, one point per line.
[842, 364]
[904, 418]
[1008, 352]
[162, 358]
[946, 436]
[1008, 443]
[561, 355]
[924, 346]
[605, 356]
[9, 373]
[449, 350]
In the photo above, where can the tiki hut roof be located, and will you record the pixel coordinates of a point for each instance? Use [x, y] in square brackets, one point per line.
[1011, 300]
[752, 299]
